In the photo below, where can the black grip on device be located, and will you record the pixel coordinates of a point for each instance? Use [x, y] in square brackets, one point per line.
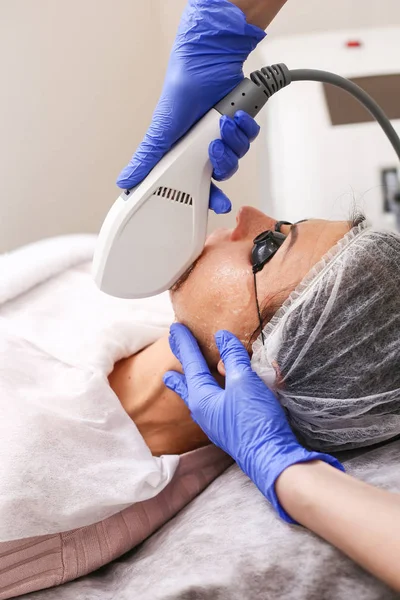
[252, 94]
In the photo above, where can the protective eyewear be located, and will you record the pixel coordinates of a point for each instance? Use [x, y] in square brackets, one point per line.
[266, 245]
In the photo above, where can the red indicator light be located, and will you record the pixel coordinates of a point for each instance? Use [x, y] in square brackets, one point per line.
[354, 44]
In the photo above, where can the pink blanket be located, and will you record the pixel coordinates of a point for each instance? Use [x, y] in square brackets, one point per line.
[42, 562]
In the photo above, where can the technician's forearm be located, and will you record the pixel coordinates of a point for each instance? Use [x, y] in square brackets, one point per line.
[360, 520]
[260, 12]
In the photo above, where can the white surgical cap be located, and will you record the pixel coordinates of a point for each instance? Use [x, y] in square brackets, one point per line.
[332, 351]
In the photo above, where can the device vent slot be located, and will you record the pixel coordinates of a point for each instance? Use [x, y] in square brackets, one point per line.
[174, 196]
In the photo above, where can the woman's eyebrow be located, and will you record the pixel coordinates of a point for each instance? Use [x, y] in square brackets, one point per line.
[293, 234]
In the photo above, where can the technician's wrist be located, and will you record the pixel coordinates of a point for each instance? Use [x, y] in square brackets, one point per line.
[259, 14]
[274, 462]
[291, 488]
[287, 457]
[266, 465]
[255, 15]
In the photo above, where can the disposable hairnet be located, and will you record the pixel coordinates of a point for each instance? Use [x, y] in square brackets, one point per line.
[332, 351]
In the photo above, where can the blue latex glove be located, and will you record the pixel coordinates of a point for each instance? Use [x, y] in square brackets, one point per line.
[245, 420]
[206, 63]
[236, 137]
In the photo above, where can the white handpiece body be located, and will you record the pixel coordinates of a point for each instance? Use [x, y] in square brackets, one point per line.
[152, 235]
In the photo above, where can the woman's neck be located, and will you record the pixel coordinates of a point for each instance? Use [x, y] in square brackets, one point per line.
[160, 415]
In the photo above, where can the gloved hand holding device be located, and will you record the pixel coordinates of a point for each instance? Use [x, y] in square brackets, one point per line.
[245, 420]
[206, 63]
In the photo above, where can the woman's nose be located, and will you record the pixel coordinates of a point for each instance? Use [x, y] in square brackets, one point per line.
[250, 222]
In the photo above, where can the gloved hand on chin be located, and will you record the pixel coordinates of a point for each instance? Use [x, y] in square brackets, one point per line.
[245, 420]
[206, 63]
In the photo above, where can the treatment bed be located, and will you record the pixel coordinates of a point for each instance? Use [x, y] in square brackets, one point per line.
[227, 543]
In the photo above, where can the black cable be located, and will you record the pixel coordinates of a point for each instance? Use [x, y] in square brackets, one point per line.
[353, 89]
[258, 309]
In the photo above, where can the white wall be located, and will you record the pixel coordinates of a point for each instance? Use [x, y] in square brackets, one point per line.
[298, 16]
[304, 16]
[318, 170]
[79, 82]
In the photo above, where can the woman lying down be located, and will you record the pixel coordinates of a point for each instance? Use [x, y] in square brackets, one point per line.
[97, 453]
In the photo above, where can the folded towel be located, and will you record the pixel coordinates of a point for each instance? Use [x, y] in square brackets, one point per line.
[70, 456]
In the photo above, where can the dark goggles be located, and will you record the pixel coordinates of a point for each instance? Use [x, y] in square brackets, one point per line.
[266, 245]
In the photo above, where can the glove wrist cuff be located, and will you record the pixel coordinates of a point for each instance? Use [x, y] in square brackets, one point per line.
[222, 16]
[284, 459]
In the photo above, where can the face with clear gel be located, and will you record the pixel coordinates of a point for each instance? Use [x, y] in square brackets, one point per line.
[218, 292]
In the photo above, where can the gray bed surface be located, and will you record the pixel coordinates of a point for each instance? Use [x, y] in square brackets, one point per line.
[229, 545]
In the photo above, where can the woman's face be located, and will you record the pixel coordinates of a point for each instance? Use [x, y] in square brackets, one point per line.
[218, 293]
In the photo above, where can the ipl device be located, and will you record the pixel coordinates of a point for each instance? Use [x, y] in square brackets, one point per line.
[154, 232]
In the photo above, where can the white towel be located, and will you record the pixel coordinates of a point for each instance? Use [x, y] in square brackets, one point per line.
[69, 454]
